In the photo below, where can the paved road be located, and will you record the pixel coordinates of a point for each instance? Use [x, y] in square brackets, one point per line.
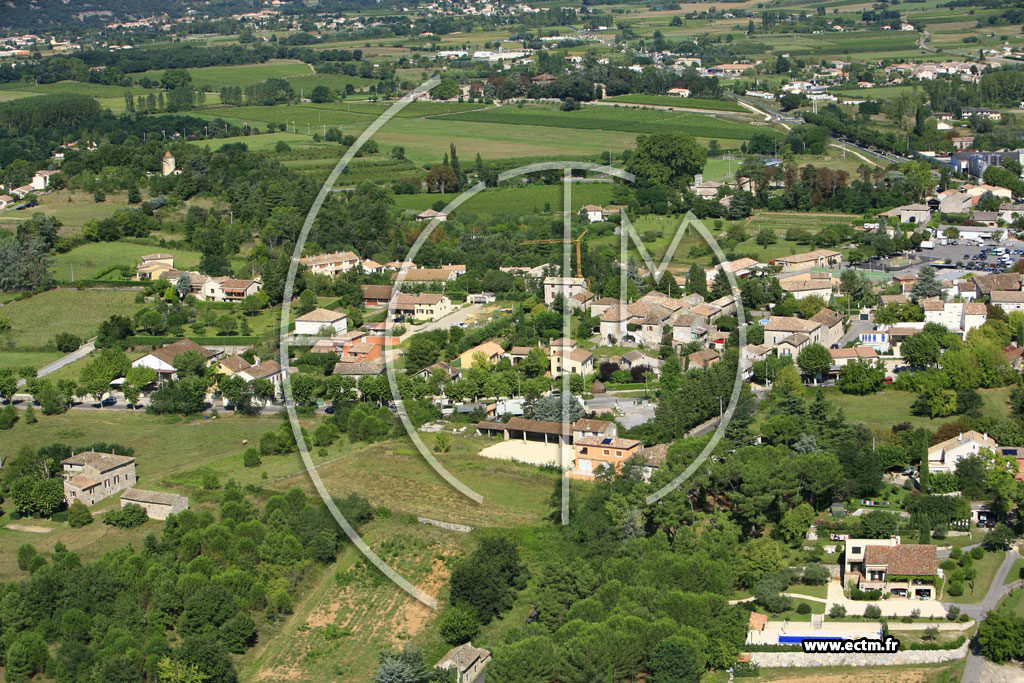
[450, 320]
[856, 327]
[81, 352]
[996, 591]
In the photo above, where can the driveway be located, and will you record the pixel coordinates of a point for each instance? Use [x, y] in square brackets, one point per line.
[79, 353]
[856, 327]
[455, 317]
[996, 592]
[893, 607]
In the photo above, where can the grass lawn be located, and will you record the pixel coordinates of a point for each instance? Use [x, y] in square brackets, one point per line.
[946, 672]
[21, 359]
[813, 591]
[987, 567]
[90, 259]
[72, 214]
[1015, 572]
[889, 407]
[35, 321]
[1014, 602]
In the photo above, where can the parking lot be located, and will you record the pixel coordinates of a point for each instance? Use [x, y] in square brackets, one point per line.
[967, 254]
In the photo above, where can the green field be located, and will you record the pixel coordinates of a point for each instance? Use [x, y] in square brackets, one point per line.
[616, 119]
[21, 359]
[682, 102]
[163, 447]
[35, 321]
[890, 407]
[532, 198]
[90, 259]
[217, 77]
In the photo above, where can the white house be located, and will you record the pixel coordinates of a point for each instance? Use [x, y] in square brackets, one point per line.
[566, 286]
[944, 456]
[162, 360]
[41, 180]
[319, 318]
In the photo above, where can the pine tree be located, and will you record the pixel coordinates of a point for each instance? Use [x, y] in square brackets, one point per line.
[30, 415]
[697, 281]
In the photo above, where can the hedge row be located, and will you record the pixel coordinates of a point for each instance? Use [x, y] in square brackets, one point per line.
[143, 340]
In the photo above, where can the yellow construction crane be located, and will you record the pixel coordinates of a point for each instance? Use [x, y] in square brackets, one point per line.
[578, 241]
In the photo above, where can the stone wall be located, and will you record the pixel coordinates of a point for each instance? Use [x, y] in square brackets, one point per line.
[801, 660]
[462, 528]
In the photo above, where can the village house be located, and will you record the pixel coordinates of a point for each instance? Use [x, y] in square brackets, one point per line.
[944, 456]
[1008, 301]
[349, 367]
[426, 275]
[741, 268]
[232, 365]
[615, 323]
[154, 266]
[985, 285]
[566, 286]
[778, 328]
[157, 504]
[955, 316]
[162, 359]
[885, 564]
[269, 370]
[565, 357]
[427, 306]
[90, 476]
[592, 453]
[490, 351]
[481, 298]
[802, 287]
[321, 320]
[918, 214]
[41, 180]
[704, 359]
[843, 357]
[819, 258]
[596, 214]
[585, 427]
[467, 661]
[228, 289]
[832, 325]
[331, 264]
[376, 295]
[431, 214]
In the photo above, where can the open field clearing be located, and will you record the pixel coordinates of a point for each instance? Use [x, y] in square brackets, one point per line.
[217, 77]
[354, 612]
[72, 208]
[395, 475]
[35, 321]
[684, 102]
[163, 446]
[890, 407]
[89, 260]
[532, 198]
[616, 119]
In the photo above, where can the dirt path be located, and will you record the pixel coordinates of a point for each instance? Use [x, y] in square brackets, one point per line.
[28, 528]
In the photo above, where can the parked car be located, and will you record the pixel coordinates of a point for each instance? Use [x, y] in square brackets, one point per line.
[108, 401]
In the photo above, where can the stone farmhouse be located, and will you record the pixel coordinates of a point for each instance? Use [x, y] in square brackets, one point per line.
[91, 476]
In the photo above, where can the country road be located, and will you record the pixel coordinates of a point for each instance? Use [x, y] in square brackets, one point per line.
[997, 590]
[79, 353]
